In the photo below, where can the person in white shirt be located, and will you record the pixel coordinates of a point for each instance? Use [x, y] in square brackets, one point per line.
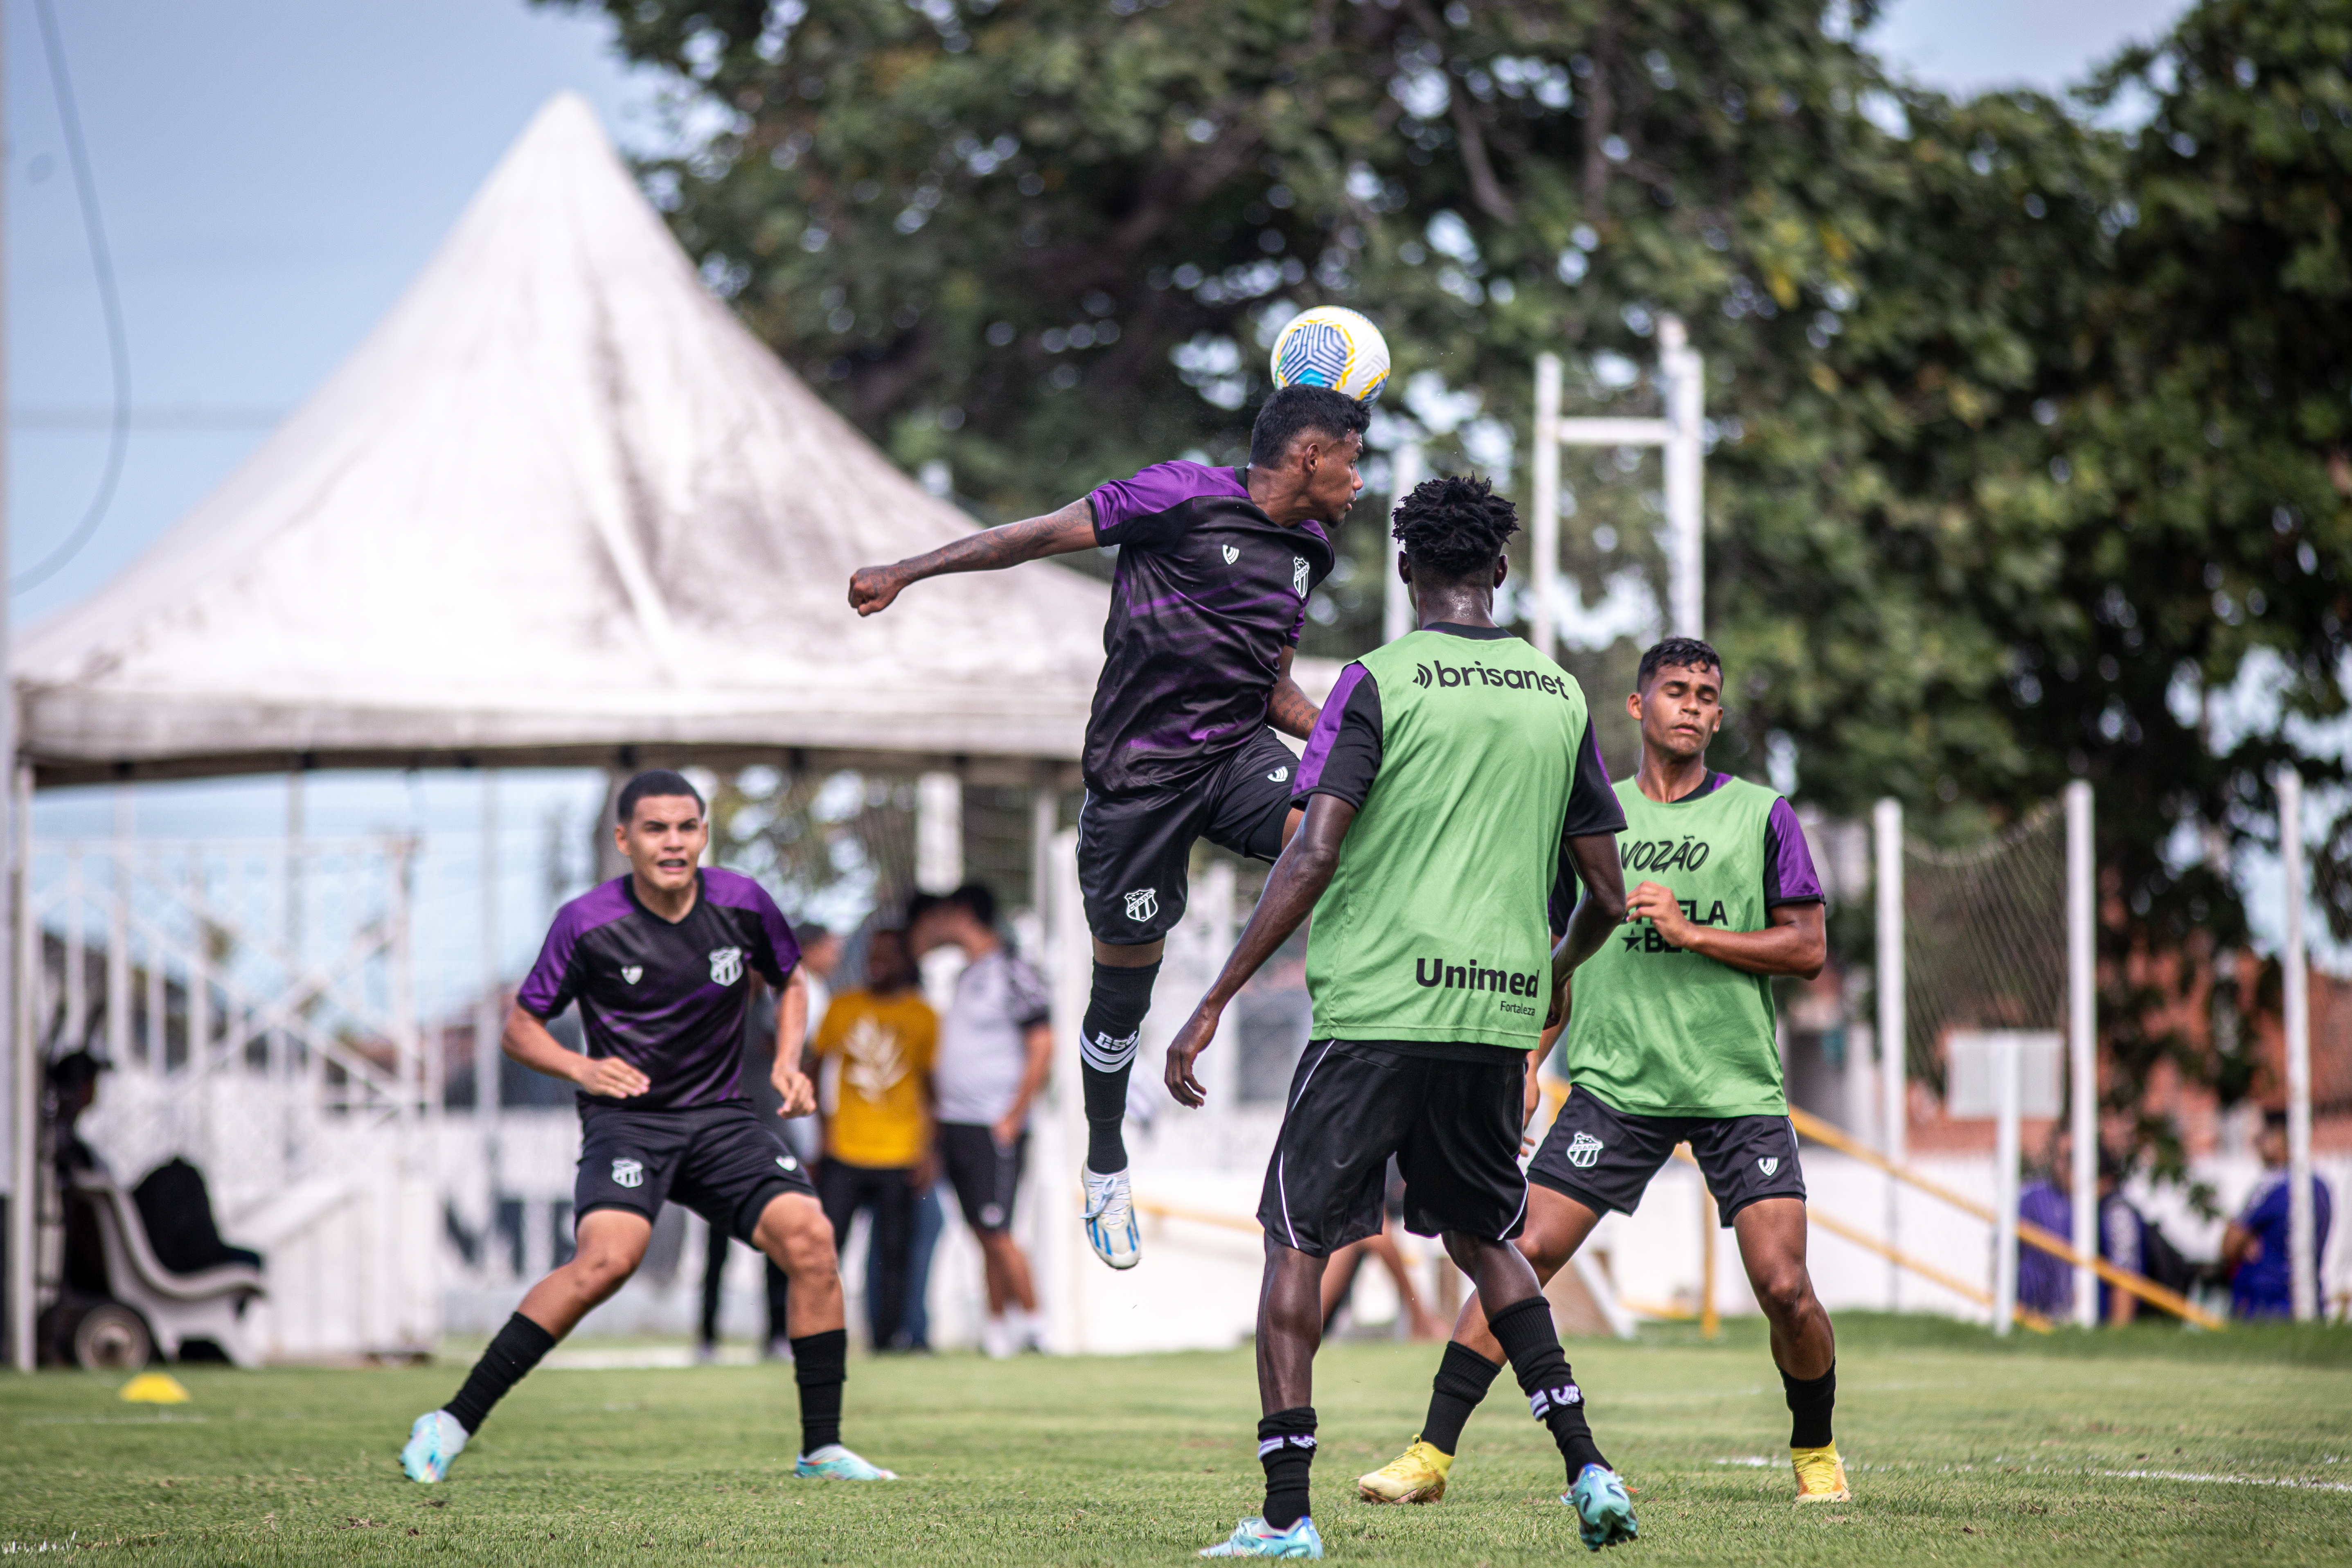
[996, 1044]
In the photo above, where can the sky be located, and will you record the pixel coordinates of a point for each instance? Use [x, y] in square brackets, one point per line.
[271, 174]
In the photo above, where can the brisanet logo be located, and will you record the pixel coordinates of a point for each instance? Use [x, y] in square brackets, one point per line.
[1449, 677]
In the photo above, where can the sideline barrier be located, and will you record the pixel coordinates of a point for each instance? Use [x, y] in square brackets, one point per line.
[1811, 1126]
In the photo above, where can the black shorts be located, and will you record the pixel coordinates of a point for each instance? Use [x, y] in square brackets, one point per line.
[724, 1162]
[986, 1174]
[1604, 1157]
[1452, 1124]
[1135, 847]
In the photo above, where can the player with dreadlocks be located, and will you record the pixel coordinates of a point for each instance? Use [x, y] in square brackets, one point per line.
[1451, 787]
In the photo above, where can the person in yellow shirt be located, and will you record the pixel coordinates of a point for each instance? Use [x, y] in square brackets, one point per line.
[877, 1129]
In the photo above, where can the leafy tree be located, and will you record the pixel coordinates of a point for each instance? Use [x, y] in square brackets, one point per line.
[2032, 434]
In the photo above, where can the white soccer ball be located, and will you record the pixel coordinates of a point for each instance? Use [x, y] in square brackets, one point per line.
[1332, 346]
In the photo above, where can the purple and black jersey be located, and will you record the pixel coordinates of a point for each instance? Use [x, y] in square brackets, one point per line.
[1208, 593]
[668, 999]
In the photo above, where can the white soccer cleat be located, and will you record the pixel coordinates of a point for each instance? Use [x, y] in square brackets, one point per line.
[1110, 1219]
[434, 1440]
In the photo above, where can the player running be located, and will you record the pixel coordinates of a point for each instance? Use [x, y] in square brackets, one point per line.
[1451, 785]
[661, 962]
[1670, 1037]
[1214, 570]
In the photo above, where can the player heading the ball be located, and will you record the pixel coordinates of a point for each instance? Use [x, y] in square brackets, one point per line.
[661, 962]
[1215, 567]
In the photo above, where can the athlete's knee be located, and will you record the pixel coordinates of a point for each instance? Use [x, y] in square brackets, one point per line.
[1783, 1288]
[599, 1269]
[795, 1231]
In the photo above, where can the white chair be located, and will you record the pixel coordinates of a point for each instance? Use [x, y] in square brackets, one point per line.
[206, 1305]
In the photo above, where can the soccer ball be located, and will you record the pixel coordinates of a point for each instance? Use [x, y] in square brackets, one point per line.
[1335, 347]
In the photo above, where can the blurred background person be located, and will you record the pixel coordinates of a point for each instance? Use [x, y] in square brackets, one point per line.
[2255, 1246]
[878, 1043]
[995, 1045]
[1340, 1274]
[820, 951]
[2046, 1284]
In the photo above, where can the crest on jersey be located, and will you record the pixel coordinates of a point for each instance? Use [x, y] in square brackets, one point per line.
[1582, 1150]
[725, 965]
[1769, 1164]
[1232, 554]
[630, 974]
[1278, 775]
[1143, 903]
[628, 1174]
[1299, 576]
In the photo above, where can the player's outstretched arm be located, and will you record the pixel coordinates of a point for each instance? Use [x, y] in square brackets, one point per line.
[1287, 706]
[1298, 880]
[871, 588]
[527, 1041]
[1793, 941]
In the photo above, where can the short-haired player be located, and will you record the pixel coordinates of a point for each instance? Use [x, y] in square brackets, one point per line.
[1452, 788]
[1671, 1038]
[661, 962]
[1215, 567]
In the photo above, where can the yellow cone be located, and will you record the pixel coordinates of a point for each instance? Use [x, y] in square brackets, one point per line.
[156, 1388]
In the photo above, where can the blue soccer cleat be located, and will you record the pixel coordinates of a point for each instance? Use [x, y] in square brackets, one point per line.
[434, 1440]
[1110, 1219]
[1255, 1538]
[1604, 1514]
[835, 1463]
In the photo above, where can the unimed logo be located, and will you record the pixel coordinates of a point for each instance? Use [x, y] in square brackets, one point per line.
[1471, 975]
[1451, 677]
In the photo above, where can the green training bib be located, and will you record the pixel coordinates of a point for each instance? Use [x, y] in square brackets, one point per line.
[1658, 1031]
[1436, 925]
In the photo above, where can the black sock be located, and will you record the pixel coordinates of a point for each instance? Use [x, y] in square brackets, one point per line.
[514, 1351]
[1107, 1041]
[1525, 1328]
[1809, 1402]
[820, 1365]
[1286, 1446]
[1462, 1381]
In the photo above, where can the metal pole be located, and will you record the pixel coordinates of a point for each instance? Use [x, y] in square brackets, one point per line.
[486, 1023]
[1409, 468]
[23, 1080]
[2083, 1043]
[1886, 823]
[1685, 399]
[939, 832]
[1543, 537]
[2302, 1246]
[2004, 1178]
[25, 1185]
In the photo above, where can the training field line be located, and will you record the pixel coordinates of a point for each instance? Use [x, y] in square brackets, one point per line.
[2294, 1482]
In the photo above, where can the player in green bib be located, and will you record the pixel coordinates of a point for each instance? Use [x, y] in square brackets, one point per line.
[1452, 790]
[1671, 1039]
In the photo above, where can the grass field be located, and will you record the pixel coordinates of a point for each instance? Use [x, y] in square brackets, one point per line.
[2150, 1445]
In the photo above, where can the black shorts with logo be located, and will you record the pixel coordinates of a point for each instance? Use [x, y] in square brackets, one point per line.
[725, 1161]
[1135, 846]
[1452, 1122]
[1604, 1157]
[986, 1174]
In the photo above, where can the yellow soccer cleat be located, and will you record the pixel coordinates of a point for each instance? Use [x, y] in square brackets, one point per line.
[1821, 1475]
[1417, 1475]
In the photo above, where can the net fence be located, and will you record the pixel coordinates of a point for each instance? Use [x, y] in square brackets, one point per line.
[1984, 937]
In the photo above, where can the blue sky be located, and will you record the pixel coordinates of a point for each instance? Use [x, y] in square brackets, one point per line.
[272, 173]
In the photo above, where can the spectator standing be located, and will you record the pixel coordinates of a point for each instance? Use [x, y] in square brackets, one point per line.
[994, 1047]
[2255, 1246]
[820, 951]
[878, 1133]
[2046, 1284]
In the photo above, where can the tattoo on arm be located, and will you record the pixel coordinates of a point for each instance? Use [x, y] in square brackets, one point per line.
[1288, 710]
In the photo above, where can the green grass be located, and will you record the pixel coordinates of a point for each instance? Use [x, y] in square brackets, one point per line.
[1962, 1452]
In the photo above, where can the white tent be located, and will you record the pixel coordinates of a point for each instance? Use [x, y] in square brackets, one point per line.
[559, 503]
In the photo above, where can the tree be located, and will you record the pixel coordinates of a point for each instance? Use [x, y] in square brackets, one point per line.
[2033, 433]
